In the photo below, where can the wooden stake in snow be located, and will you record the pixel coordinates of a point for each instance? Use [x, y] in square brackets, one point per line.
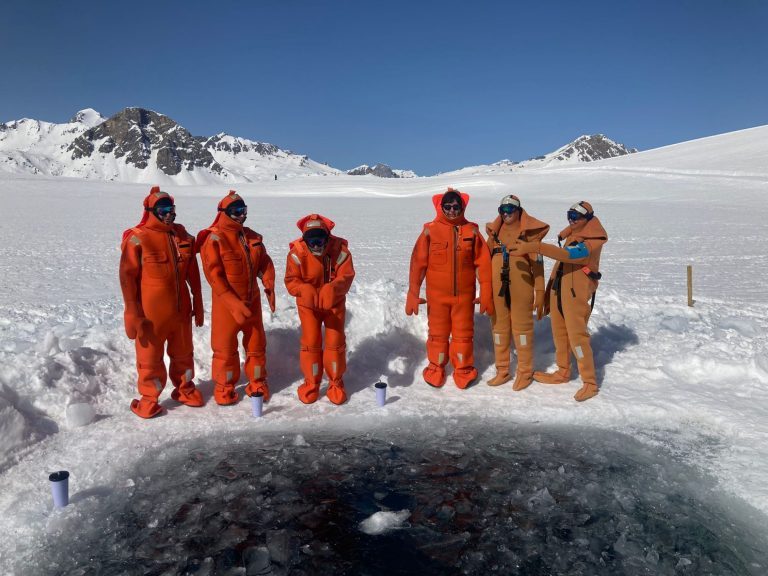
[690, 285]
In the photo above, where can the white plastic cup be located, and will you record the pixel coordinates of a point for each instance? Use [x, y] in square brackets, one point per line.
[381, 393]
[60, 488]
[257, 404]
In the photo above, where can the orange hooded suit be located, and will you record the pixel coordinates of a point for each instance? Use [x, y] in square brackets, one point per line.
[233, 258]
[514, 286]
[320, 284]
[156, 266]
[570, 296]
[450, 253]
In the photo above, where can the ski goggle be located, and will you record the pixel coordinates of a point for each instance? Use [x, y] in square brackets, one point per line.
[237, 211]
[316, 240]
[508, 209]
[573, 215]
[164, 210]
[577, 212]
[452, 207]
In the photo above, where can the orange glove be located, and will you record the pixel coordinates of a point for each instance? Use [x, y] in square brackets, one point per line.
[307, 296]
[269, 292]
[538, 303]
[239, 310]
[412, 303]
[326, 297]
[486, 298]
[136, 325]
[197, 309]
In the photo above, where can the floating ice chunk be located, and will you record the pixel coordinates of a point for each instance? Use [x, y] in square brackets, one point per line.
[80, 414]
[381, 522]
[299, 441]
[540, 499]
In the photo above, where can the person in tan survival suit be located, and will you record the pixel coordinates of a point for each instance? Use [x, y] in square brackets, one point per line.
[571, 294]
[518, 287]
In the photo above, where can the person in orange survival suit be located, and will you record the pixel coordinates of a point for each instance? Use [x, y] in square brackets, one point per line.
[319, 273]
[233, 258]
[515, 282]
[571, 294]
[449, 252]
[157, 263]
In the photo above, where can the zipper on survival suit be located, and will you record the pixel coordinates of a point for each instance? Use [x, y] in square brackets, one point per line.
[247, 251]
[175, 258]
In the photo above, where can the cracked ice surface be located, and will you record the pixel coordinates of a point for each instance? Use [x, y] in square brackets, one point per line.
[464, 499]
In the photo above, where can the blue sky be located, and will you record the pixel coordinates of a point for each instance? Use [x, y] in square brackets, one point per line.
[426, 85]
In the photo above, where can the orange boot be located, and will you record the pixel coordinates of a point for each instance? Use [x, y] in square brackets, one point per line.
[463, 359]
[186, 393]
[437, 353]
[147, 407]
[336, 392]
[226, 373]
[255, 368]
[335, 363]
[310, 361]
[151, 383]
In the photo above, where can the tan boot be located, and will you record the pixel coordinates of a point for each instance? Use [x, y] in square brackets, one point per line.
[499, 379]
[522, 381]
[586, 363]
[586, 392]
[560, 376]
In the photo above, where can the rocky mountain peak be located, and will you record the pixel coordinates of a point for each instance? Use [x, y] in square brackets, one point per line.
[590, 148]
[380, 170]
[139, 134]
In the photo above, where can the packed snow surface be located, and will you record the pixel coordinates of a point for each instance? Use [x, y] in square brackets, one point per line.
[690, 380]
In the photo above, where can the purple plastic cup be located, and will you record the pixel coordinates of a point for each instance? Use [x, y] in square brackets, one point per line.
[60, 488]
[381, 393]
[257, 404]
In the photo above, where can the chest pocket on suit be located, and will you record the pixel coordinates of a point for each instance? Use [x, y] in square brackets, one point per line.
[467, 248]
[438, 253]
[233, 263]
[155, 264]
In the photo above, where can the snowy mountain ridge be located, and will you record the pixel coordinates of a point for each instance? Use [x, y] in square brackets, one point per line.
[381, 170]
[585, 148]
[143, 146]
[139, 145]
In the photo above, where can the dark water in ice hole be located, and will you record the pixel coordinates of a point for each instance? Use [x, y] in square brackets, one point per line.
[500, 500]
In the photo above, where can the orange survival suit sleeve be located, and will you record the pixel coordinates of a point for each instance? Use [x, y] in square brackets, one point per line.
[294, 279]
[130, 274]
[419, 262]
[345, 274]
[130, 284]
[267, 275]
[213, 266]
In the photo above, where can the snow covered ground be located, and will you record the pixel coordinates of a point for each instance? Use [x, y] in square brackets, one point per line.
[691, 381]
